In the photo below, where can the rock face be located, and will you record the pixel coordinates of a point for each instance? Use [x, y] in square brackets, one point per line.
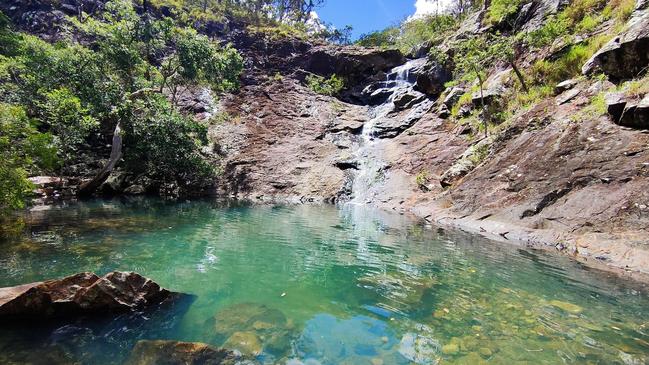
[628, 112]
[81, 294]
[627, 55]
[180, 353]
[353, 63]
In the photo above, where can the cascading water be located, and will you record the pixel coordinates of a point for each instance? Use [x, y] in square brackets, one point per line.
[370, 166]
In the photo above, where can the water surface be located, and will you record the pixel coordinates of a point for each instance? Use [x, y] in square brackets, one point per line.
[319, 285]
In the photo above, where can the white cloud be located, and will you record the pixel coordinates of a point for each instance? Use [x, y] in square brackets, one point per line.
[427, 7]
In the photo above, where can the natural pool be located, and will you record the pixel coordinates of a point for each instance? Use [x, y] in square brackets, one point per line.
[320, 285]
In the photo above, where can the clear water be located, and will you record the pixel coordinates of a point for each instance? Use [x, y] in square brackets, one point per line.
[319, 285]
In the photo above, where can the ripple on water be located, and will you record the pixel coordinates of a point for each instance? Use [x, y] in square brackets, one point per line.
[319, 285]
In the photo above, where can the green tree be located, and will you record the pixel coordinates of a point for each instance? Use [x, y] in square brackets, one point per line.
[22, 150]
[473, 58]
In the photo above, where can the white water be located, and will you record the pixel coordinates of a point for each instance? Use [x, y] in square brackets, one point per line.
[370, 165]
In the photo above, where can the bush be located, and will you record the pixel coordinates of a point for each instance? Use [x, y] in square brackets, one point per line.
[501, 10]
[331, 86]
[22, 150]
[165, 145]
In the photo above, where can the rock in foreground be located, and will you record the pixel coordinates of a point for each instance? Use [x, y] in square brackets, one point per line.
[81, 294]
[185, 353]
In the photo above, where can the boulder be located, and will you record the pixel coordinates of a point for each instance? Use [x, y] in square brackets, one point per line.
[615, 103]
[181, 353]
[627, 55]
[391, 127]
[567, 96]
[453, 96]
[642, 112]
[431, 77]
[628, 113]
[564, 86]
[81, 294]
[494, 88]
[406, 98]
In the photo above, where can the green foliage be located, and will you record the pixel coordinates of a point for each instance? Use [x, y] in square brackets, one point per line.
[383, 39]
[422, 180]
[22, 150]
[74, 90]
[70, 122]
[331, 86]
[165, 145]
[552, 30]
[432, 29]
[501, 10]
[479, 153]
[568, 65]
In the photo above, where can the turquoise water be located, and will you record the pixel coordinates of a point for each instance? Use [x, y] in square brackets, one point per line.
[319, 285]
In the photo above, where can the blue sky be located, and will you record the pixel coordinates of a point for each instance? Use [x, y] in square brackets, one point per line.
[370, 15]
[365, 15]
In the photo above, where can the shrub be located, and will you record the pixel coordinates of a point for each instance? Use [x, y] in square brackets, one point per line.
[331, 86]
[22, 150]
[501, 10]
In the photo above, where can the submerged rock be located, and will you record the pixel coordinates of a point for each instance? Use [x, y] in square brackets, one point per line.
[81, 294]
[567, 307]
[252, 328]
[181, 353]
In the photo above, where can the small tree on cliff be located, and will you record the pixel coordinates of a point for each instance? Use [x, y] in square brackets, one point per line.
[472, 60]
[475, 56]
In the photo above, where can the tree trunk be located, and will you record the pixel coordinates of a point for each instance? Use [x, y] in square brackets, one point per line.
[115, 154]
[485, 115]
[520, 76]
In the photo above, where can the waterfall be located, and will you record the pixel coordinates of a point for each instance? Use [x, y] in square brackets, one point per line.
[370, 166]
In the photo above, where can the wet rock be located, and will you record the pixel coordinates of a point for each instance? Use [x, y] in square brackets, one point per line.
[450, 349]
[405, 98]
[567, 307]
[196, 101]
[81, 294]
[247, 342]
[353, 63]
[392, 126]
[135, 190]
[627, 55]
[181, 353]
[252, 328]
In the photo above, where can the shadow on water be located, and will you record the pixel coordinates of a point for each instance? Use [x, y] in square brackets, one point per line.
[89, 340]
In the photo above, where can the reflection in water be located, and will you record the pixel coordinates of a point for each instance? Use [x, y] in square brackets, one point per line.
[319, 285]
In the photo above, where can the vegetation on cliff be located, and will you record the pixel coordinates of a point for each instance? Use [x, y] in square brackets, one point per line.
[125, 69]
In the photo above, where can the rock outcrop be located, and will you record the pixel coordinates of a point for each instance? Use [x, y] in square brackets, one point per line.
[180, 353]
[627, 55]
[628, 112]
[81, 294]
